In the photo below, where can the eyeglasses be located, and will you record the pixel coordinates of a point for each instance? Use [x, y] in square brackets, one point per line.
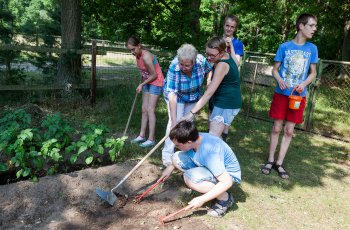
[211, 55]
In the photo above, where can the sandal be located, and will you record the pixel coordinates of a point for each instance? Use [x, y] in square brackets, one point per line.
[283, 174]
[220, 208]
[267, 169]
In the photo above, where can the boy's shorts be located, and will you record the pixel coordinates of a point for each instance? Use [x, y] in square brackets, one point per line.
[152, 89]
[280, 110]
[192, 171]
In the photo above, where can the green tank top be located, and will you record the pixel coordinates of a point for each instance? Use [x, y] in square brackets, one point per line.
[228, 94]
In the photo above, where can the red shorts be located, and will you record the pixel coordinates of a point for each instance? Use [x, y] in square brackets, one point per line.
[280, 110]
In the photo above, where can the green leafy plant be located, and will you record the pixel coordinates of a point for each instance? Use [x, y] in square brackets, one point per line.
[57, 127]
[90, 142]
[115, 144]
[35, 151]
[21, 159]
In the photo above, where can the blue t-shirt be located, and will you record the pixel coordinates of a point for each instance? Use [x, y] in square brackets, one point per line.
[237, 46]
[217, 157]
[295, 63]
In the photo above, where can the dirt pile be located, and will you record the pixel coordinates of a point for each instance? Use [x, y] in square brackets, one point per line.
[69, 201]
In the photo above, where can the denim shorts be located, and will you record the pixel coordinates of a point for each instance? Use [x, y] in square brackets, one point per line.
[195, 173]
[152, 89]
[225, 116]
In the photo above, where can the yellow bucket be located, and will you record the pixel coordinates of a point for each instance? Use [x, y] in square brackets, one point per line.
[294, 101]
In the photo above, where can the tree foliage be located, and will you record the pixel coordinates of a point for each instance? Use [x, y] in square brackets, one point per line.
[169, 23]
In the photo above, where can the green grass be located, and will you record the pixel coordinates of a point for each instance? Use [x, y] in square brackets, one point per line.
[315, 196]
[112, 59]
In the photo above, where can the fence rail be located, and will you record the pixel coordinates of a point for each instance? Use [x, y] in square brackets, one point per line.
[326, 113]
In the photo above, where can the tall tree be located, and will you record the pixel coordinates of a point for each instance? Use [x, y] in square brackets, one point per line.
[346, 42]
[7, 31]
[70, 62]
[167, 23]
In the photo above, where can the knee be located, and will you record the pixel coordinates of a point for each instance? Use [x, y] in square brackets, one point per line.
[144, 109]
[276, 129]
[150, 110]
[288, 131]
[175, 160]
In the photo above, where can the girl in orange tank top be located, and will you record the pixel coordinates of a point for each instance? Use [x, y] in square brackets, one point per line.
[151, 88]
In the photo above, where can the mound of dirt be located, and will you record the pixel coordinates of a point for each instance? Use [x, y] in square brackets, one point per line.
[69, 201]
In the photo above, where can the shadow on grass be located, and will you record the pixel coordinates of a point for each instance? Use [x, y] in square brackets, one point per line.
[309, 158]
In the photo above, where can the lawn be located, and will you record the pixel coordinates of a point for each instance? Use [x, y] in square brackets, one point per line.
[315, 196]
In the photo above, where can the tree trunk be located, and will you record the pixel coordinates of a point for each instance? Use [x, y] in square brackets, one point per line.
[192, 11]
[285, 24]
[346, 42]
[69, 68]
[344, 73]
[195, 24]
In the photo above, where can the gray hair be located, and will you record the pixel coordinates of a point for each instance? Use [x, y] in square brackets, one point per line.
[187, 52]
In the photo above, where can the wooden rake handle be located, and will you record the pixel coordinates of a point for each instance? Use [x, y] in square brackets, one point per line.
[131, 112]
[142, 160]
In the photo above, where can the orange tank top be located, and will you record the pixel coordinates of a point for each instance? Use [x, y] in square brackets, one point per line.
[145, 74]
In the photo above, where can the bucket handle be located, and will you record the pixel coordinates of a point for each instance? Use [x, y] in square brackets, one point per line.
[293, 91]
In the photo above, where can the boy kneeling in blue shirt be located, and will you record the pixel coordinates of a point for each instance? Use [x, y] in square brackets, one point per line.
[210, 167]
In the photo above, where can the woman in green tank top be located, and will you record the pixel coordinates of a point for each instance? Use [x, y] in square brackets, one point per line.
[223, 92]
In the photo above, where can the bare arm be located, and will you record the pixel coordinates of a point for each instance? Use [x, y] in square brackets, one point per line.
[239, 59]
[225, 182]
[173, 108]
[312, 74]
[236, 58]
[209, 76]
[275, 73]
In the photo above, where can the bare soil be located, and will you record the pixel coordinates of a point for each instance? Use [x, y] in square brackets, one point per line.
[69, 201]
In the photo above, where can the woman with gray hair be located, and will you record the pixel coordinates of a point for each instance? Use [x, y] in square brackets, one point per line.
[183, 87]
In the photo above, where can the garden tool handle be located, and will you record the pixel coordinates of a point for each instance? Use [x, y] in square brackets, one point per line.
[131, 112]
[139, 197]
[163, 219]
[142, 160]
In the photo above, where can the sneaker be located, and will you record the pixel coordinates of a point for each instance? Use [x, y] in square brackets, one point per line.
[147, 144]
[138, 139]
[220, 208]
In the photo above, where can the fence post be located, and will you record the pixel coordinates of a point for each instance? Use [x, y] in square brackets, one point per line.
[252, 89]
[312, 96]
[93, 73]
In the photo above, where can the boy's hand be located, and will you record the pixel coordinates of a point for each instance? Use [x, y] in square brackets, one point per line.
[196, 202]
[228, 41]
[282, 84]
[300, 88]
